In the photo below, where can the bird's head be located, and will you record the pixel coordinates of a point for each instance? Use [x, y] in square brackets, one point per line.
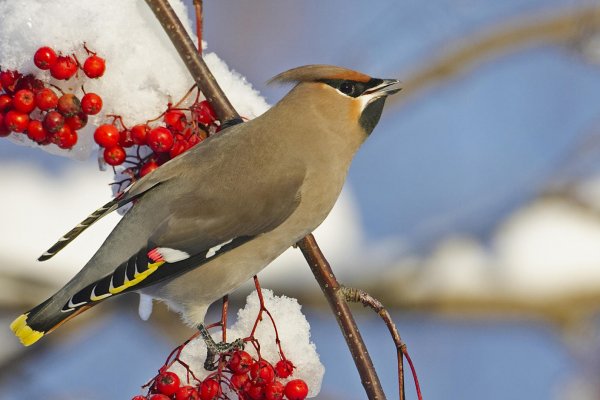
[346, 95]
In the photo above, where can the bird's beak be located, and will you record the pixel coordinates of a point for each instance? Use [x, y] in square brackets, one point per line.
[385, 88]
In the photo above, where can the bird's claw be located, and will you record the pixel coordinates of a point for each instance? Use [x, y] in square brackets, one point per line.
[214, 349]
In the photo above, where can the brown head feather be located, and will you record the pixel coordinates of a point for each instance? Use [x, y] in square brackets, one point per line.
[316, 72]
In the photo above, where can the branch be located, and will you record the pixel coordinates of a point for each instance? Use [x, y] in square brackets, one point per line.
[319, 265]
[332, 290]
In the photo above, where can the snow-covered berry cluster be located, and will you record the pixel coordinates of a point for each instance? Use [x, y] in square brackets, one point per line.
[278, 361]
[33, 108]
[242, 376]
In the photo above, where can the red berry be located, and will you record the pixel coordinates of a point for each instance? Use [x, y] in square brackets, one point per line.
[5, 102]
[160, 139]
[204, 113]
[46, 99]
[187, 393]
[125, 139]
[167, 382]
[24, 101]
[296, 390]
[91, 103]
[64, 68]
[256, 391]
[44, 57]
[239, 380]
[16, 121]
[178, 148]
[36, 131]
[77, 122]
[94, 66]
[240, 362]
[139, 397]
[139, 134]
[65, 138]
[209, 389]
[9, 79]
[4, 131]
[53, 121]
[284, 368]
[158, 396]
[175, 119]
[262, 372]
[274, 391]
[116, 156]
[69, 105]
[148, 167]
[107, 135]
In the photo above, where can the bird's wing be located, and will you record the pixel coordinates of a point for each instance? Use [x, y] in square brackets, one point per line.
[192, 236]
[133, 192]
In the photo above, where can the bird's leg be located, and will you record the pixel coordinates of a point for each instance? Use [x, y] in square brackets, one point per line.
[213, 349]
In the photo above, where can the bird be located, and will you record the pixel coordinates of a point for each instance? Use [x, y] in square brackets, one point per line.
[210, 219]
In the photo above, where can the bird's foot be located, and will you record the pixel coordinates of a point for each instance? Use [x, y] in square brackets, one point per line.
[214, 349]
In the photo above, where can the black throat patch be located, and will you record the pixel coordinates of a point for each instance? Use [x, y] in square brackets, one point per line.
[371, 114]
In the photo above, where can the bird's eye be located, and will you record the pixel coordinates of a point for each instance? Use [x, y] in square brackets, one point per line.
[347, 88]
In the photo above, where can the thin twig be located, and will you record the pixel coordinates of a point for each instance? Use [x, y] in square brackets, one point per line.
[199, 24]
[319, 265]
[354, 295]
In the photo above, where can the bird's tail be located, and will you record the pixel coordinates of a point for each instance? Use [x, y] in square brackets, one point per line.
[41, 320]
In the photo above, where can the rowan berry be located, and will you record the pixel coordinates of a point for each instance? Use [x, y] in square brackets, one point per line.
[69, 105]
[36, 131]
[46, 99]
[16, 121]
[160, 139]
[125, 139]
[53, 121]
[24, 101]
[5, 102]
[64, 68]
[94, 66]
[296, 390]
[148, 167]
[44, 57]
[187, 393]
[139, 134]
[284, 368]
[66, 137]
[204, 113]
[240, 362]
[91, 103]
[209, 389]
[77, 122]
[9, 79]
[274, 390]
[167, 382]
[107, 135]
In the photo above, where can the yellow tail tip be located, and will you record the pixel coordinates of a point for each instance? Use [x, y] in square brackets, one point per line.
[24, 332]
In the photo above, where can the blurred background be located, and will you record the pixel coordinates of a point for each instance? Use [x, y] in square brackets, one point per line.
[472, 212]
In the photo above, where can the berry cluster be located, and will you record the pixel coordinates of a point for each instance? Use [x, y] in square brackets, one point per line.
[179, 130]
[31, 107]
[242, 375]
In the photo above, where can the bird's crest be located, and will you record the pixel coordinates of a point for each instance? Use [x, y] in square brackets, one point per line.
[318, 72]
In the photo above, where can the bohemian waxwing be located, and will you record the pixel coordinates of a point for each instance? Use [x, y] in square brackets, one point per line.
[208, 220]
